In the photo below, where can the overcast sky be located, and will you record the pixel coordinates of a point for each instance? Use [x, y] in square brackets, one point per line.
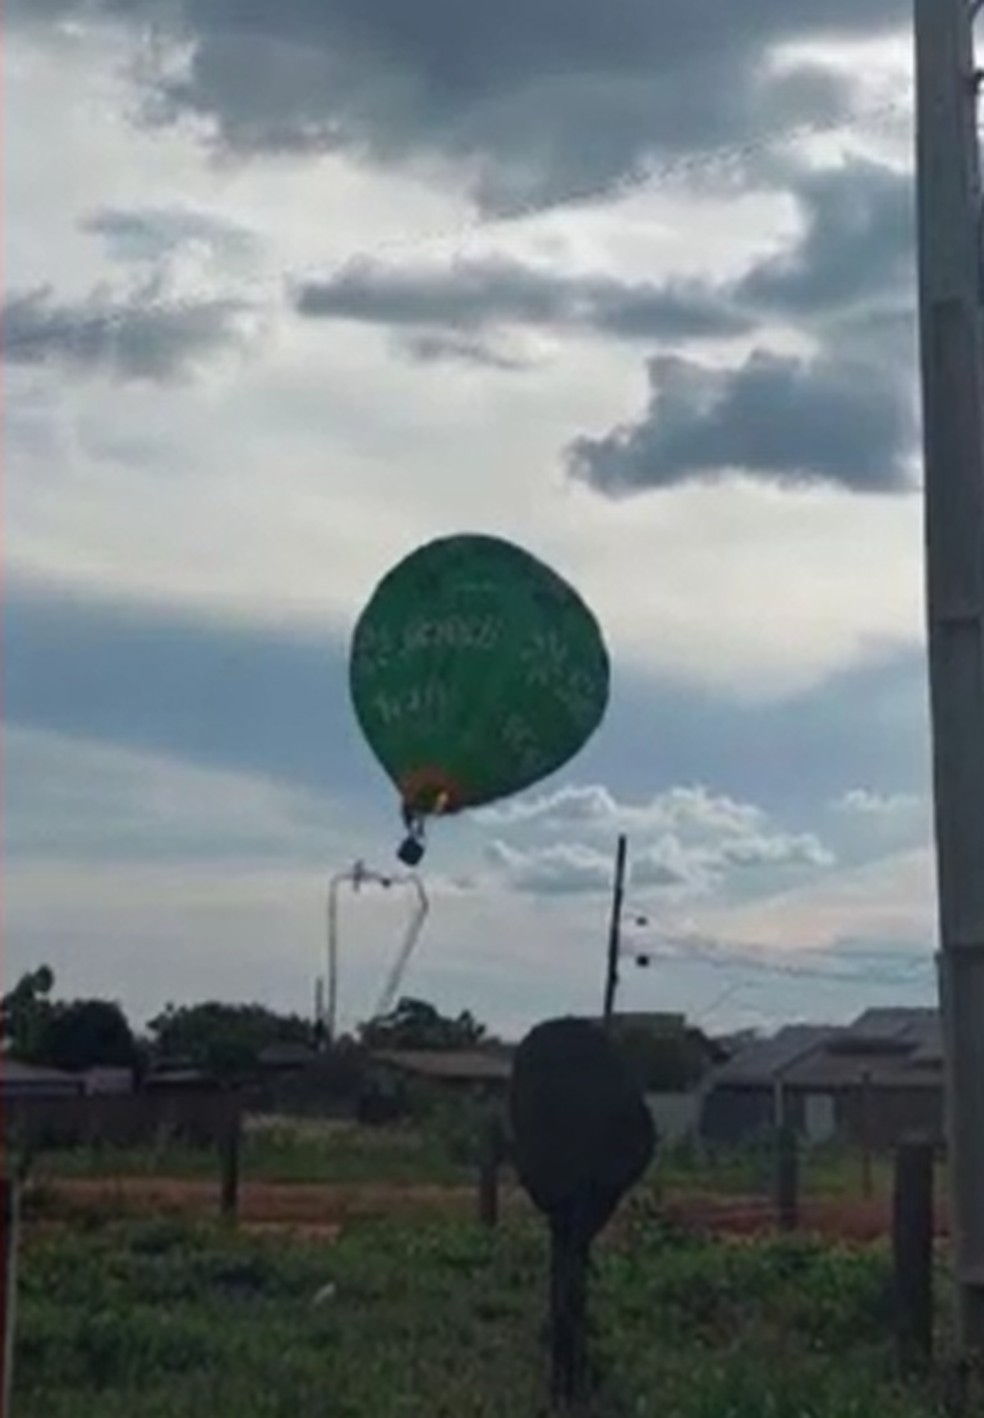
[293, 287]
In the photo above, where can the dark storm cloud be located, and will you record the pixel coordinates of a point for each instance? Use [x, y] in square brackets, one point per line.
[848, 272]
[844, 416]
[782, 419]
[543, 99]
[135, 338]
[857, 242]
[484, 295]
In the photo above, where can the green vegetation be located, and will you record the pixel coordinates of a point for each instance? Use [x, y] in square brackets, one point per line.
[441, 1149]
[292, 1150]
[162, 1320]
[67, 1034]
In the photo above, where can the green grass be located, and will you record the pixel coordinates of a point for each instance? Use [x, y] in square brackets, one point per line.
[438, 1153]
[163, 1320]
[285, 1150]
[825, 1172]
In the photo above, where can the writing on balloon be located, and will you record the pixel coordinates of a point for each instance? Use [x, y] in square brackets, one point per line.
[547, 658]
[522, 743]
[431, 700]
[454, 632]
[378, 649]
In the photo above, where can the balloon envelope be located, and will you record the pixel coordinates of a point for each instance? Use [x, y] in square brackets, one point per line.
[475, 671]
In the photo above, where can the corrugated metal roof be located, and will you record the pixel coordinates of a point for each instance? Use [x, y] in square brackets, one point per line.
[918, 1027]
[827, 1072]
[893, 1048]
[761, 1064]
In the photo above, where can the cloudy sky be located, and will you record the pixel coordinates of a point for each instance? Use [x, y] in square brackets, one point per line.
[292, 288]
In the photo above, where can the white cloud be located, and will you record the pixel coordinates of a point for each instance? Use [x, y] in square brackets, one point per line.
[280, 483]
[595, 806]
[863, 803]
[891, 899]
[278, 488]
[73, 799]
[571, 868]
[686, 841]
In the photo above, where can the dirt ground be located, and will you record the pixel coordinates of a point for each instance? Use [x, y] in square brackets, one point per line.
[310, 1209]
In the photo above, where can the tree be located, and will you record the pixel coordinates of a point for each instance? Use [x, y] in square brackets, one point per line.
[225, 1039]
[663, 1062]
[25, 1011]
[87, 1033]
[415, 1024]
[68, 1034]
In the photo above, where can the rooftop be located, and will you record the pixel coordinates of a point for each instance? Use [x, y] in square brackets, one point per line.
[462, 1066]
[26, 1075]
[883, 1047]
[766, 1061]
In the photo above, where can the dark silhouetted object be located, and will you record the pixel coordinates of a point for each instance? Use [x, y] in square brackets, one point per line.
[583, 1137]
[9, 1228]
[912, 1246]
[230, 1148]
[489, 1163]
[787, 1177]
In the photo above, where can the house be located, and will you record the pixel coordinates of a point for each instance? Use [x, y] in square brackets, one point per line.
[870, 1083]
[876, 1081]
[740, 1095]
[104, 1080]
[482, 1071]
[24, 1080]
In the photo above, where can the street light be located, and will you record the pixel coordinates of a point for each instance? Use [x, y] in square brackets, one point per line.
[358, 876]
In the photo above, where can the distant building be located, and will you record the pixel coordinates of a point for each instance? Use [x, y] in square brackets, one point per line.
[876, 1081]
[740, 1100]
[104, 1080]
[481, 1070]
[285, 1058]
[24, 1080]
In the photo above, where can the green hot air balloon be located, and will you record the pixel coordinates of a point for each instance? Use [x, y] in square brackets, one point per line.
[475, 672]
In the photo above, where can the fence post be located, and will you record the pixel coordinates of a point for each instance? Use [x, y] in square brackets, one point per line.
[230, 1143]
[867, 1169]
[488, 1172]
[10, 1211]
[912, 1248]
[568, 1314]
[787, 1179]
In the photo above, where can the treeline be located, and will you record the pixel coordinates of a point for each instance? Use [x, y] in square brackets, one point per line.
[221, 1039]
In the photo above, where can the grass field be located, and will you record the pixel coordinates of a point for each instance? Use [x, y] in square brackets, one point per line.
[167, 1320]
[289, 1150]
[439, 1154]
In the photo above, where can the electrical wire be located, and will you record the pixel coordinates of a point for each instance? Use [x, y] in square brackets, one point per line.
[709, 161]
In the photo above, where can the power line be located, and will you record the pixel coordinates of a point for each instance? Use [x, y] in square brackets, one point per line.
[696, 956]
[709, 161]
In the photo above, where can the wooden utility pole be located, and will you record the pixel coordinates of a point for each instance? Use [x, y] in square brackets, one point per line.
[489, 1163]
[230, 1157]
[867, 1160]
[9, 1227]
[615, 929]
[950, 288]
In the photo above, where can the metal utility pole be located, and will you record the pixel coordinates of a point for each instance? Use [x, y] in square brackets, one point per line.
[950, 288]
[359, 876]
[615, 930]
